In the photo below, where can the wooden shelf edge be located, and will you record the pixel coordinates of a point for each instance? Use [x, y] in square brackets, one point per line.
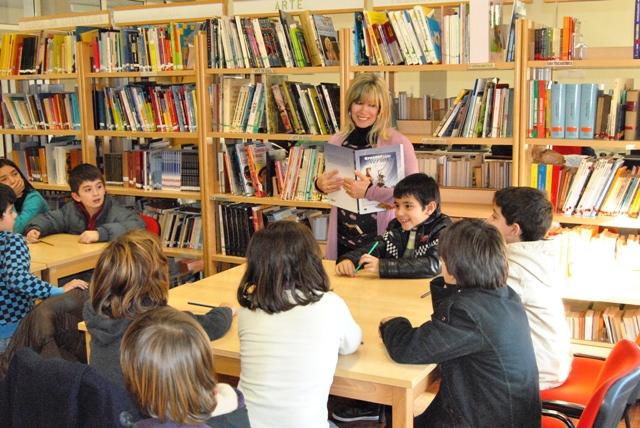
[228, 259]
[42, 76]
[466, 210]
[608, 221]
[261, 136]
[627, 144]
[47, 186]
[160, 73]
[585, 63]
[424, 139]
[165, 194]
[182, 252]
[40, 132]
[433, 67]
[271, 200]
[147, 134]
[275, 70]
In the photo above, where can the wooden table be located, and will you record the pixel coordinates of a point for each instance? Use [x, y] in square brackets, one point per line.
[63, 255]
[37, 268]
[369, 374]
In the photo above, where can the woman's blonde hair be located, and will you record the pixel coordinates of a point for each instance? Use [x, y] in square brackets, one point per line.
[167, 365]
[370, 88]
[131, 276]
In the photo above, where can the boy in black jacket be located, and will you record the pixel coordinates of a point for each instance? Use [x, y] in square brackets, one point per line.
[478, 335]
[409, 247]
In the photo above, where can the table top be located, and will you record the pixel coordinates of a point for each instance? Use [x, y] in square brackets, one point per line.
[36, 267]
[369, 299]
[64, 248]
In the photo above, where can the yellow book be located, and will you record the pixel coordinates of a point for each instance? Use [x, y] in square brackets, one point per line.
[533, 177]
[373, 20]
[311, 38]
[549, 178]
[152, 43]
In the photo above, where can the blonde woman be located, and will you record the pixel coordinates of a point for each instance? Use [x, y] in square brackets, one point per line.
[131, 278]
[167, 365]
[368, 125]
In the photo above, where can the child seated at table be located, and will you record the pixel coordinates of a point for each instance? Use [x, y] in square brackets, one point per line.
[291, 328]
[29, 202]
[523, 216]
[167, 366]
[92, 214]
[478, 334]
[18, 286]
[409, 248]
[131, 278]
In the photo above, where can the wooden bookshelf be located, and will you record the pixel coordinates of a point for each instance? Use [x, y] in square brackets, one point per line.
[275, 70]
[272, 200]
[265, 136]
[424, 139]
[591, 348]
[166, 194]
[620, 221]
[145, 134]
[52, 132]
[182, 252]
[138, 74]
[432, 67]
[596, 144]
[43, 76]
[236, 260]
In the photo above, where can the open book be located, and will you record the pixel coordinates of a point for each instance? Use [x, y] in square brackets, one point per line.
[384, 166]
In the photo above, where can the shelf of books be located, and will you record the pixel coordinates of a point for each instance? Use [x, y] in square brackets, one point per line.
[274, 99]
[577, 142]
[457, 132]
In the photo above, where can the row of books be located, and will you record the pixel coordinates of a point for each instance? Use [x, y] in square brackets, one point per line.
[604, 186]
[583, 110]
[554, 43]
[425, 107]
[486, 111]
[585, 246]
[37, 54]
[48, 162]
[239, 221]
[152, 166]
[411, 36]
[604, 324]
[40, 110]
[286, 107]
[143, 48]
[289, 40]
[146, 106]
[266, 169]
[466, 170]
[180, 227]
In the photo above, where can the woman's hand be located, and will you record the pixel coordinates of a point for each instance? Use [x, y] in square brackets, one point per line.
[329, 181]
[357, 188]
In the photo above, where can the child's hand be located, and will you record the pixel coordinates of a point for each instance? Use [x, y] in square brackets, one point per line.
[346, 268]
[329, 181]
[75, 283]
[234, 309]
[370, 263]
[357, 188]
[32, 236]
[89, 236]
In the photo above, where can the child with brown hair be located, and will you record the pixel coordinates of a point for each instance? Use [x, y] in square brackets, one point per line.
[478, 335]
[131, 278]
[167, 366]
[291, 327]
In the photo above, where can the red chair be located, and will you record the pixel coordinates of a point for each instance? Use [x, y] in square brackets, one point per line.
[612, 388]
[151, 224]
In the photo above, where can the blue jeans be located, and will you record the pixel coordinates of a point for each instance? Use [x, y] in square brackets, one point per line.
[4, 343]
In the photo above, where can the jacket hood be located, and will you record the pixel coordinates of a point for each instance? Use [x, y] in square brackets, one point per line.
[104, 331]
[538, 259]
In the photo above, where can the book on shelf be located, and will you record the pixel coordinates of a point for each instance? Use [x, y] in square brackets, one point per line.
[636, 30]
[289, 40]
[238, 221]
[44, 106]
[146, 106]
[601, 322]
[466, 169]
[384, 166]
[47, 161]
[37, 53]
[152, 165]
[180, 225]
[603, 186]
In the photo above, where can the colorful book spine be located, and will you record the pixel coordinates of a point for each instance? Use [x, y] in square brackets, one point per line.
[636, 31]
[588, 98]
[557, 110]
[572, 110]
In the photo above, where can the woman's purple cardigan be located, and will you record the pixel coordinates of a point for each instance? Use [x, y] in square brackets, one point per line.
[384, 195]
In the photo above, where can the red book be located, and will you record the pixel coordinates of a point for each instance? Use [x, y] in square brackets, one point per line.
[555, 180]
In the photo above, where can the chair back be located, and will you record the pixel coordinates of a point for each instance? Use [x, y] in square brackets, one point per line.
[616, 383]
[151, 224]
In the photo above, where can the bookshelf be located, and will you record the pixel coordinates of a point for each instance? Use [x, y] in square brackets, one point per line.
[605, 280]
[445, 79]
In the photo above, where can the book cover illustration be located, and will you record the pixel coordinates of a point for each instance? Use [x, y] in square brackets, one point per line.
[328, 39]
[383, 165]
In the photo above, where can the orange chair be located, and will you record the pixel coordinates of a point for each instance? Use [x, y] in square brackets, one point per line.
[612, 389]
[151, 224]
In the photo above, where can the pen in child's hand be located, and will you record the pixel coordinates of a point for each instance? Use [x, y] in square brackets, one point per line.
[422, 296]
[373, 247]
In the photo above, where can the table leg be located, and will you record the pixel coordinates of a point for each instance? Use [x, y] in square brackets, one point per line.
[402, 408]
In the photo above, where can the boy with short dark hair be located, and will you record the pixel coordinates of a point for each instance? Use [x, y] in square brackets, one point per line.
[478, 334]
[18, 286]
[409, 247]
[92, 214]
[523, 216]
